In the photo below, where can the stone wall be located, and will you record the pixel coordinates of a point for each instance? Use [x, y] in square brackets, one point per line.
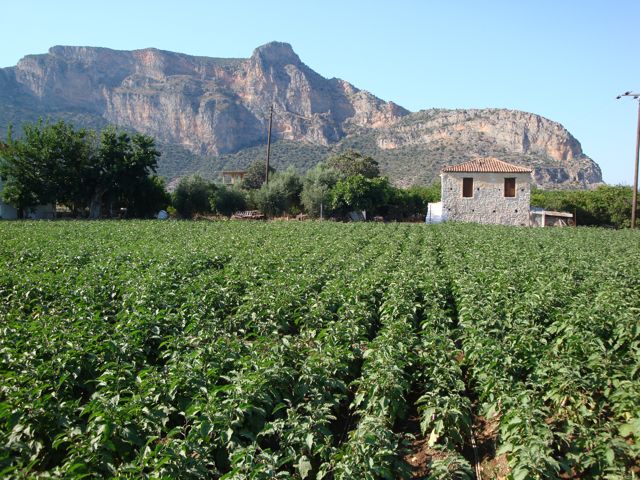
[488, 204]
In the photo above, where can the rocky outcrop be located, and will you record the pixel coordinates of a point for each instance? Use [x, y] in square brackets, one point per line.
[214, 107]
[520, 137]
[208, 105]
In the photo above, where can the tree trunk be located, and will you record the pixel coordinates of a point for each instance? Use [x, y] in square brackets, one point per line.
[95, 208]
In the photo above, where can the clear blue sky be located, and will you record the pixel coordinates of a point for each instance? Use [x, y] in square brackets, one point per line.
[565, 60]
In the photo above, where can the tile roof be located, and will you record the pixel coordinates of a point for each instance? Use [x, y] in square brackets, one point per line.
[487, 165]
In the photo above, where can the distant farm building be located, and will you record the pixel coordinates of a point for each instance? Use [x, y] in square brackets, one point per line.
[9, 212]
[540, 217]
[232, 177]
[486, 190]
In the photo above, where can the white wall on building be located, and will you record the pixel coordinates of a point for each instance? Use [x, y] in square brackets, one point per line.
[434, 213]
[38, 212]
[7, 212]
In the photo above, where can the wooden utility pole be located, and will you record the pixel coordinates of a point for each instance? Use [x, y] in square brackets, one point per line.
[266, 169]
[266, 172]
[634, 201]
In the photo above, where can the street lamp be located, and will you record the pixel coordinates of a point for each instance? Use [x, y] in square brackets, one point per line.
[634, 201]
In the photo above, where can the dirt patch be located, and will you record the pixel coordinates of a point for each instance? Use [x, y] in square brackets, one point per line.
[421, 456]
[486, 433]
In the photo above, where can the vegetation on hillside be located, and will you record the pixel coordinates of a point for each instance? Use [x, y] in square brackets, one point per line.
[106, 172]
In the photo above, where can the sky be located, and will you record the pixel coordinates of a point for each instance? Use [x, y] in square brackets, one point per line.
[566, 60]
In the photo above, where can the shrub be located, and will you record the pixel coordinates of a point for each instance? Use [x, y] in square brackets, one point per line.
[191, 196]
[227, 201]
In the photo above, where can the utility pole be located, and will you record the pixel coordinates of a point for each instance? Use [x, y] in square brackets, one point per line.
[266, 172]
[266, 169]
[634, 201]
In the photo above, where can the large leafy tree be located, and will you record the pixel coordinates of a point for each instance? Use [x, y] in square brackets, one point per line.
[352, 163]
[192, 195]
[281, 195]
[360, 193]
[149, 197]
[44, 165]
[120, 164]
[55, 163]
[227, 201]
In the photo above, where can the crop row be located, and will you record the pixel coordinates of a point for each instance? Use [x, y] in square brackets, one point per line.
[306, 350]
[551, 344]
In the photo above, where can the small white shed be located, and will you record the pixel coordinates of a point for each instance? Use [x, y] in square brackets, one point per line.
[7, 212]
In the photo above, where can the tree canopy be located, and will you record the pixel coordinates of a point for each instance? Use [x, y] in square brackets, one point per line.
[54, 163]
[281, 194]
[226, 201]
[255, 176]
[358, 192]
[192, 195]
[352, 163]
[316, 189]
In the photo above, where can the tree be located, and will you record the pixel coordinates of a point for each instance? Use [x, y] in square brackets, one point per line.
[227, 201]
[118, 166]
[192, 195]
[352, 163]
[281, 195]
[607, 205]
[148, 199]
[255, 176]
[55, 163]
[43, 166]
[316, 189]
[360, 193]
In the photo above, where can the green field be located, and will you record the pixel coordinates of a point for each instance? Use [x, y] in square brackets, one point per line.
[318, 350]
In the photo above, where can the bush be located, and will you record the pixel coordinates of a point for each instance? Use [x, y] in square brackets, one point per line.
[148, 199]
[607, 205]
[191, 196]
[316, 189]
[281, 195]
[227, 201]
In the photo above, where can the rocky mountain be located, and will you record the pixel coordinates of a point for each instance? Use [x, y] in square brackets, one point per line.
[212, 113]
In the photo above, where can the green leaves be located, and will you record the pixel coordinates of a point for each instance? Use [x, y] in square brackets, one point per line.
[55, 163]
[298, 350]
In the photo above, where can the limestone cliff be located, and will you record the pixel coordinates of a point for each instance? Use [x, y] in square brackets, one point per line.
[208, 105]
[216, 109]
[455, 136]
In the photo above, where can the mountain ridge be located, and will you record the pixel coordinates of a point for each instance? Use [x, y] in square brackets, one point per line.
[214, 109]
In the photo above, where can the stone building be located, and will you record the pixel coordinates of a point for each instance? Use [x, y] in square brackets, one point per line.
[486, 190]
[232, 177]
